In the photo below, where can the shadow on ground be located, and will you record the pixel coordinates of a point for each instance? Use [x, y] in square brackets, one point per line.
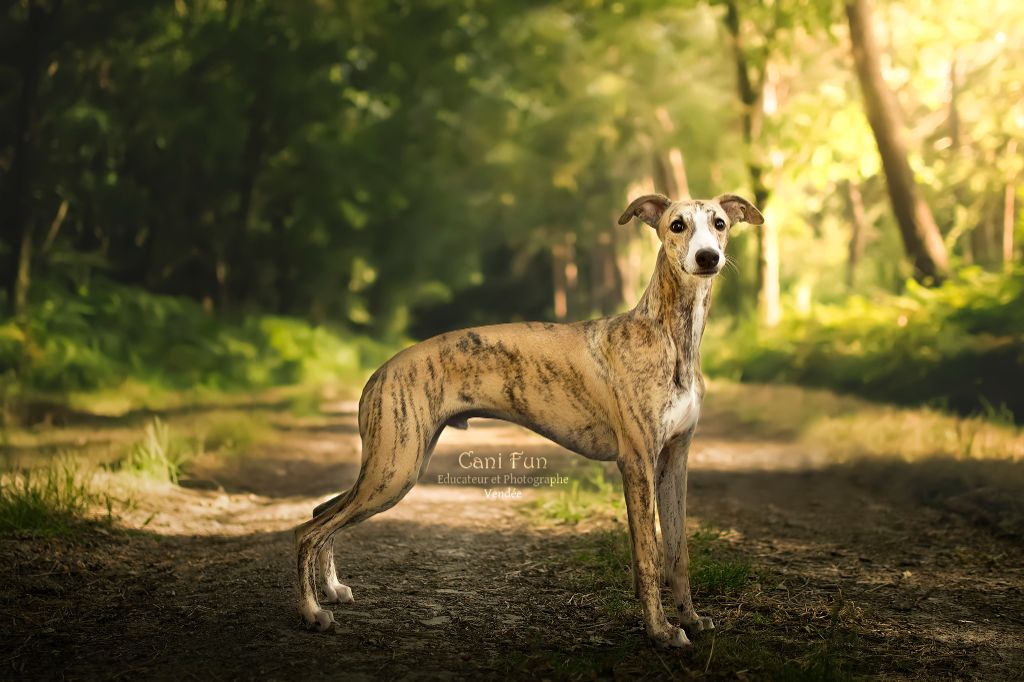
[452, 584]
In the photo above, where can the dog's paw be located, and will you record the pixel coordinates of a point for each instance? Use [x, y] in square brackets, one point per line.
[700, 624]
[675, 638]
[336, 593]
[319, 619]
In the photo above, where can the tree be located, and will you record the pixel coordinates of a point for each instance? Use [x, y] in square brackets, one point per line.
[751, 82]
[921, 237]
[35, 42]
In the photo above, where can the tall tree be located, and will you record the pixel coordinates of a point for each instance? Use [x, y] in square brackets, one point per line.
[751, 81]
[19, 222]
[858, 231]
[921, 237]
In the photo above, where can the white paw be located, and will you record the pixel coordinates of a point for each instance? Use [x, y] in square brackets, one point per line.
[336, 593]
[675, 638]
[701, 624]
[319, 619]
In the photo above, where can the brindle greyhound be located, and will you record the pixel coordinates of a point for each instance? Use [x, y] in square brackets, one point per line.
[626, 388]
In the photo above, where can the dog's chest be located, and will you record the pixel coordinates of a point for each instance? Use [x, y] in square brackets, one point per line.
[681, 412]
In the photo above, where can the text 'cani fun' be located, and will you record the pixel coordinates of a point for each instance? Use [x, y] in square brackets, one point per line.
[514, 460]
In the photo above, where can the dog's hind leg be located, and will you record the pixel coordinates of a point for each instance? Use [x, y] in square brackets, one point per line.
[334, 591]
[387, 474]
[312, 538]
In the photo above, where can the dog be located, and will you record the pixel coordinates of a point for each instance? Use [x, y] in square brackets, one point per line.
[626, 388]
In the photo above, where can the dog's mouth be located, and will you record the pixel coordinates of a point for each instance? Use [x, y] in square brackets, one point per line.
[705, 273]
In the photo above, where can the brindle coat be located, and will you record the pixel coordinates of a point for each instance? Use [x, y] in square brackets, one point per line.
[624, 388]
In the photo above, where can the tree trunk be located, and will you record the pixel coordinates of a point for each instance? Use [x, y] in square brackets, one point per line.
[22, 277]
[1009, 212]
[921, 238]
[674, 165]
[634, 248]
[768, 300]
[605, 282]
[251, 163]
[19, 221]
[983, 236]
[663, 180]
[560, 286]
[858, 232]
[751, 95]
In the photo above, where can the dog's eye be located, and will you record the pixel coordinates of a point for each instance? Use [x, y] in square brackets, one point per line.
[677, 225]
[719, 224]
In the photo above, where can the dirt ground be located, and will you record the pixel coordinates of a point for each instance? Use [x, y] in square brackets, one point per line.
[197, 581]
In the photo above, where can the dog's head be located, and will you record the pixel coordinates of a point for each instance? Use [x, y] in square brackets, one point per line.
[693, 232]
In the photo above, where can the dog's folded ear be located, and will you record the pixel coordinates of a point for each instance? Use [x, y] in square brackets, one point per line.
[739, 209]
[647, 208]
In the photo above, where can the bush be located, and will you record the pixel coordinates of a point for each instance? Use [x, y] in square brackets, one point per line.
[107, 336]
[959, 346]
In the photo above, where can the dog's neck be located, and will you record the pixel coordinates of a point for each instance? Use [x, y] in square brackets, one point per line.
[680, 303]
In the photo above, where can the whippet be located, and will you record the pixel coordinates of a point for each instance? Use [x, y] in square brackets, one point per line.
[626, 388]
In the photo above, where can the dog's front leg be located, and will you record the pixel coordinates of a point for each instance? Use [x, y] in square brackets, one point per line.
[638, 484]
[672, 513]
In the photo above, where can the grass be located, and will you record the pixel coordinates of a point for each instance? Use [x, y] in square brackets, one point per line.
[50, 500]
[957, 347]
[714, 569]
[763, 631]
[54, 497]
[594, 494]
[157, 456]
[723, 578]
[854, 428]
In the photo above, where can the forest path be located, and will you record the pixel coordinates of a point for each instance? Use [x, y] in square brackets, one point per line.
[451, 583]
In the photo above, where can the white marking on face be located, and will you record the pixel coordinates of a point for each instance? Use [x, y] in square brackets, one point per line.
[702, 219]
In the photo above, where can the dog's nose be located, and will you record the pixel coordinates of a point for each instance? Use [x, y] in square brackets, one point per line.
[706, 259]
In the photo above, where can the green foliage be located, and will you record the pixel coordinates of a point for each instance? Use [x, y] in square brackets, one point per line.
[46, 500]
[714, 570]
[958, 346]
[107, 335]
[585, 497]
[605, 562]
[414, 167]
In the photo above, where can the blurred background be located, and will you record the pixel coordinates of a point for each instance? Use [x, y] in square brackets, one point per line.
[235, 194]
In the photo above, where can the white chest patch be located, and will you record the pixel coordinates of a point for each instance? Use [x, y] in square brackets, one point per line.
[681, 413]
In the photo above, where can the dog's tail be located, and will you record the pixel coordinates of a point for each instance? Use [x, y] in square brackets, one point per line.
[324, 506]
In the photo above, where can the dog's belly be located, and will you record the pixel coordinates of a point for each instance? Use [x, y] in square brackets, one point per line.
[593, 441]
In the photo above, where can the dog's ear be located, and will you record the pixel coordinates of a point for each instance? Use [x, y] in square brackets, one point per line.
[739, 209]
[647, 208]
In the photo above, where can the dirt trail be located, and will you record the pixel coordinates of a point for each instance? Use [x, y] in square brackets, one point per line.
[451, 583]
